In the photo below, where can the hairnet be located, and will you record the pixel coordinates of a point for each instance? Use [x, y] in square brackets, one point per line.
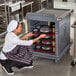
[12, 26]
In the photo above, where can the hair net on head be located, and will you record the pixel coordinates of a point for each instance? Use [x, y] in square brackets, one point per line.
[12, 26]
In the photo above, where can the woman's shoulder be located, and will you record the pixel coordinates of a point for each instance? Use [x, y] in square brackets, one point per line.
[10, 35]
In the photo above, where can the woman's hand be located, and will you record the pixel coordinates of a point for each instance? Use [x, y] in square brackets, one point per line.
[39, 37]
[42, 35]
[29, 34]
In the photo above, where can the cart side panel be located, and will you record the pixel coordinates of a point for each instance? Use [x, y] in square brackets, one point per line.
[64, 33]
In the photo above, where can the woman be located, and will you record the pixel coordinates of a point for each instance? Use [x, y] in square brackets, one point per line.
[17, 52]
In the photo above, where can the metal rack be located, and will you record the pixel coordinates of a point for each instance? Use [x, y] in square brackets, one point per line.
[42, 3]
[11, 9]
[3, 21]
[17, 8]
[46, 3]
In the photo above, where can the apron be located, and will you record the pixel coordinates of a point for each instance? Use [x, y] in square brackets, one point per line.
[20, 53]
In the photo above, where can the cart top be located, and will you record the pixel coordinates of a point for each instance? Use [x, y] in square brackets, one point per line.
[49, 14]
[56, 12]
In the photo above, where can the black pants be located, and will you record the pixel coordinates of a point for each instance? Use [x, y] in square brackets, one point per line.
[11, 63]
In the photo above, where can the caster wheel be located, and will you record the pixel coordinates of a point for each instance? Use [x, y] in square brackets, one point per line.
[73, 63]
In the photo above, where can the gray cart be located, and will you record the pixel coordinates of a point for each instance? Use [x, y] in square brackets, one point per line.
[73, 63]
[61, 19]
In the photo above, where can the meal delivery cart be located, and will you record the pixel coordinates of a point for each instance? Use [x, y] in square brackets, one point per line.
[57, 42]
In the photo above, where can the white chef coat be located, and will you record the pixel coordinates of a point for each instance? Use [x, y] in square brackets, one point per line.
[11, 41]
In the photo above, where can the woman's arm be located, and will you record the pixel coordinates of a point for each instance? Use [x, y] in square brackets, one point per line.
[18, 41]
[27, 35]
[39, 37]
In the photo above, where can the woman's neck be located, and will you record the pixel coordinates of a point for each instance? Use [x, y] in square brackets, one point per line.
[15, 32]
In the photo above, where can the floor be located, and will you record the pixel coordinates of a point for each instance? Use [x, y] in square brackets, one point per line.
[47, 67]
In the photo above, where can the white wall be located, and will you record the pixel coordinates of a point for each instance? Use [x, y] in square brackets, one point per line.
[67, 0]
[67, 5]
[71, 0]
